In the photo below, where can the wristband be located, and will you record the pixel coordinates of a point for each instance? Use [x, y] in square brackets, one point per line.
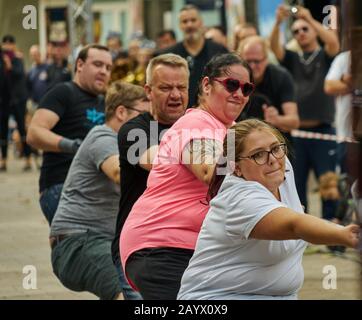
[69, 146]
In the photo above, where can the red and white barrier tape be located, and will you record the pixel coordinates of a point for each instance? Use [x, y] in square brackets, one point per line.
[321, 136]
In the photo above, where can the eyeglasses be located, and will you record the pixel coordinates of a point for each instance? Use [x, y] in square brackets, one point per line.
[262, 157]
[135, 109]
[255, 61]
[232, 85]
[297, 31]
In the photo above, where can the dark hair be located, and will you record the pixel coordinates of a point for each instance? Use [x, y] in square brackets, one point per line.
[8, 39]
[83, 54]
[219, 66]
[121, 55]
[188, 7]
[168, 31]
[237, 135]
[220, 28]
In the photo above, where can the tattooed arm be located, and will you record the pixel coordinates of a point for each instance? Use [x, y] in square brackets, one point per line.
[200, 157]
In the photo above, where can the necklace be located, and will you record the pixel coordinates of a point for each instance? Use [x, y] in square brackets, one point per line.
[310, 59]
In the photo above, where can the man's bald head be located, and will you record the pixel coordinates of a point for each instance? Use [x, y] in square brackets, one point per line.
[254, 50]
[35, 54]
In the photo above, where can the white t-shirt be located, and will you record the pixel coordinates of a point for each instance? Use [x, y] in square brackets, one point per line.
[227, 264]
[342, 65]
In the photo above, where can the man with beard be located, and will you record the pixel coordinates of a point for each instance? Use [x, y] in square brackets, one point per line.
[65, 115]
[194, 47]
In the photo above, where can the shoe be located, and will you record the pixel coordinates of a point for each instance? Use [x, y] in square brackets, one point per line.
[26, 168]
[3, 168]
[337, 250]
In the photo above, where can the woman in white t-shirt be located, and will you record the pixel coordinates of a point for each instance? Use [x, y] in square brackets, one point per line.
[252, 240]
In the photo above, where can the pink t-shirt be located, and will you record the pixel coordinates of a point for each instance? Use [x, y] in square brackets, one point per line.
[171, 210]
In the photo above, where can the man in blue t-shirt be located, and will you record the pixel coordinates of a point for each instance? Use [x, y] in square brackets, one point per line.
[37, 76]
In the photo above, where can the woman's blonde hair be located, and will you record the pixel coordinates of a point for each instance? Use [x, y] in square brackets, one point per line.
[235, 139]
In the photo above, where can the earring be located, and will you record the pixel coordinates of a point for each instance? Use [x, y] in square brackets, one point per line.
[238, 173]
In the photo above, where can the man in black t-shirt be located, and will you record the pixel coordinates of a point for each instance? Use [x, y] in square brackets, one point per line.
[166, 87]
[194, 48]
[274, 97]
[57, 69]
[64, 117]
[316, 109]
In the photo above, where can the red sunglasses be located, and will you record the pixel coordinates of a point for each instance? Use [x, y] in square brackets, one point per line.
[232, 85]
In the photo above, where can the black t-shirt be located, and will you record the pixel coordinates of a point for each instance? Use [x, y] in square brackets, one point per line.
[4, 89]
[79, 111]
[196, 63]
[57, 74]
[313, 103]
[18, 89]
[276, 88]
[134, 138]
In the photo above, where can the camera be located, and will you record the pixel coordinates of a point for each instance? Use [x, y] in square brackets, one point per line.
[293, 10]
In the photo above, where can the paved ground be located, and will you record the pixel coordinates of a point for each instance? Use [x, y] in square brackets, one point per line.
[24, 242]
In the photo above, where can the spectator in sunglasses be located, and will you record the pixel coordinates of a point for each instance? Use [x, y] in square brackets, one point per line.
[275, 82]
[252, 240]
[316, 109]
[159, 235]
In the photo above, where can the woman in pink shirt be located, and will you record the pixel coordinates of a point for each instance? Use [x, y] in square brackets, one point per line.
[160, 233]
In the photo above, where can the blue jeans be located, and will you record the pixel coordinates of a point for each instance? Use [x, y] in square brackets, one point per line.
[128, 292]
[319, 155]
[49, 200]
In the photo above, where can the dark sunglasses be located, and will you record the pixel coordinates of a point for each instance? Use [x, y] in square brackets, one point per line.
[304, 29]
[232, 85]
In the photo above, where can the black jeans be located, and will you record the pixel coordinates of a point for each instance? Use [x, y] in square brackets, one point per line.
[157, 272]
[18, 110]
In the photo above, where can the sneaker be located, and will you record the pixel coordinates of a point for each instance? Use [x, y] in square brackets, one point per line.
[337, 250]
[26, 168]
